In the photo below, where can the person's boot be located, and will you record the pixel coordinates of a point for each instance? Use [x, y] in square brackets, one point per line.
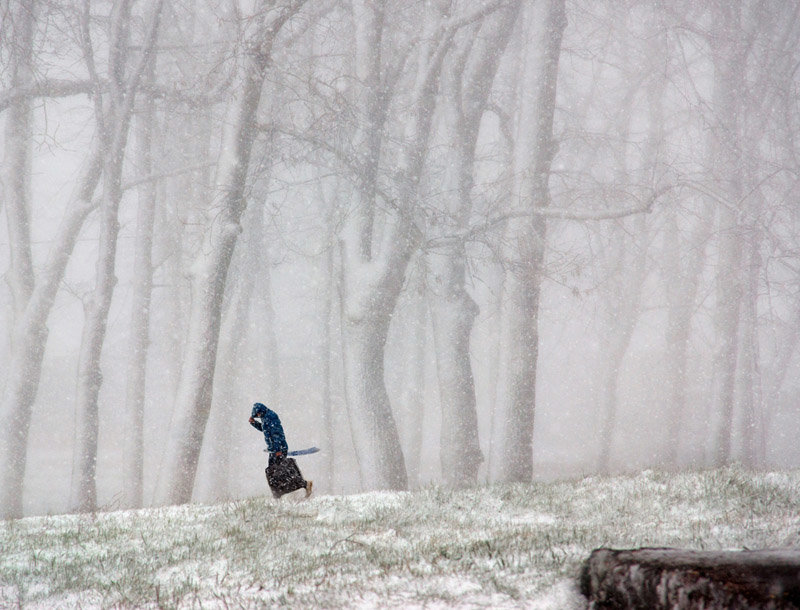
[308, 487]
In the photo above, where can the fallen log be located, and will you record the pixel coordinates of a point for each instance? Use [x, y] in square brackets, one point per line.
[679, 579]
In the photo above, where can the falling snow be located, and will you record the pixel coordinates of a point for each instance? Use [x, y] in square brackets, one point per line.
[504, 262]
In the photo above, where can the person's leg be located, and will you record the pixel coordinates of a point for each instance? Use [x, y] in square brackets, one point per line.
[292, 477]
[270, 471]
[284, 476]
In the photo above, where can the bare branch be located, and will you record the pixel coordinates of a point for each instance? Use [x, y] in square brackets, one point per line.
[57, 88]
[145, 55]
[555, 213]
[447, 30]
[457, 23]
[46, 88]
[164, 175]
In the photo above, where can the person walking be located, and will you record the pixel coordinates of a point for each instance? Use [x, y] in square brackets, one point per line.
[283, 474]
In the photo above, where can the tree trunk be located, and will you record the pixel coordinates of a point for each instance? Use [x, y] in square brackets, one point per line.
[15, 184]
[133, 449]
[115, 116]
[524, 238]
[226, 404]
[373, 427]
[96, 318]
[364, 324]
[519, 337]
[413, 396]
[452, 313]
[370, 292]
[627, 268]
[30, 338]
[786, 346]
[15, 177]
[372, 277]
[616, 346]
[326, 353]
[729, 56]
[684, 263]
[750, 394]
[675, 578]
[240, 320]
[193, 398]
[466, 83]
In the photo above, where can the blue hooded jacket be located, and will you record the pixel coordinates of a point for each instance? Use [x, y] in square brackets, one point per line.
[270, 425]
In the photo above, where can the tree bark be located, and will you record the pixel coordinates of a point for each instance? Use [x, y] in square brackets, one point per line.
[373, 427]
[675, 578]
[373, 266]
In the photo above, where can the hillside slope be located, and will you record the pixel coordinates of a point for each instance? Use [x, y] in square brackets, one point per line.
[495, 546]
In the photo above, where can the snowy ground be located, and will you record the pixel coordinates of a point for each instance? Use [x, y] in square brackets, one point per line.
[513, 546]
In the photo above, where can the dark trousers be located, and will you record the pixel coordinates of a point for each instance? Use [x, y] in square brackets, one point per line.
[283, 475]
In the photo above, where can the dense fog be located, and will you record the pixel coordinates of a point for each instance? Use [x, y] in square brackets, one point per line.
[447, 241]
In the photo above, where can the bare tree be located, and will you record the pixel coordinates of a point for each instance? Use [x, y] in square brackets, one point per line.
[728, 52]
[626, 248]
[133, 455]
[29, 335]
[370, 280]
[774, 67]
[329, 313]
[19, 34]
[525, 235]
[236, 321]
[411, 402]
[193, 399]
[114, 111]
[466, 82]
[374, 262]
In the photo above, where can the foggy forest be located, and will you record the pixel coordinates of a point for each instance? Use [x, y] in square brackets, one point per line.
[449, 242]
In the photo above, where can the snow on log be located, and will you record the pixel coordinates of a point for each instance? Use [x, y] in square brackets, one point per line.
[656, 578]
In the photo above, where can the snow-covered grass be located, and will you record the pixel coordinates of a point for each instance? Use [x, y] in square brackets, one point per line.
[496, 546]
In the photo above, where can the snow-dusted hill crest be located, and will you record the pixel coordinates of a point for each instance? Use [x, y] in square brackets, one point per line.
[497, 546]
